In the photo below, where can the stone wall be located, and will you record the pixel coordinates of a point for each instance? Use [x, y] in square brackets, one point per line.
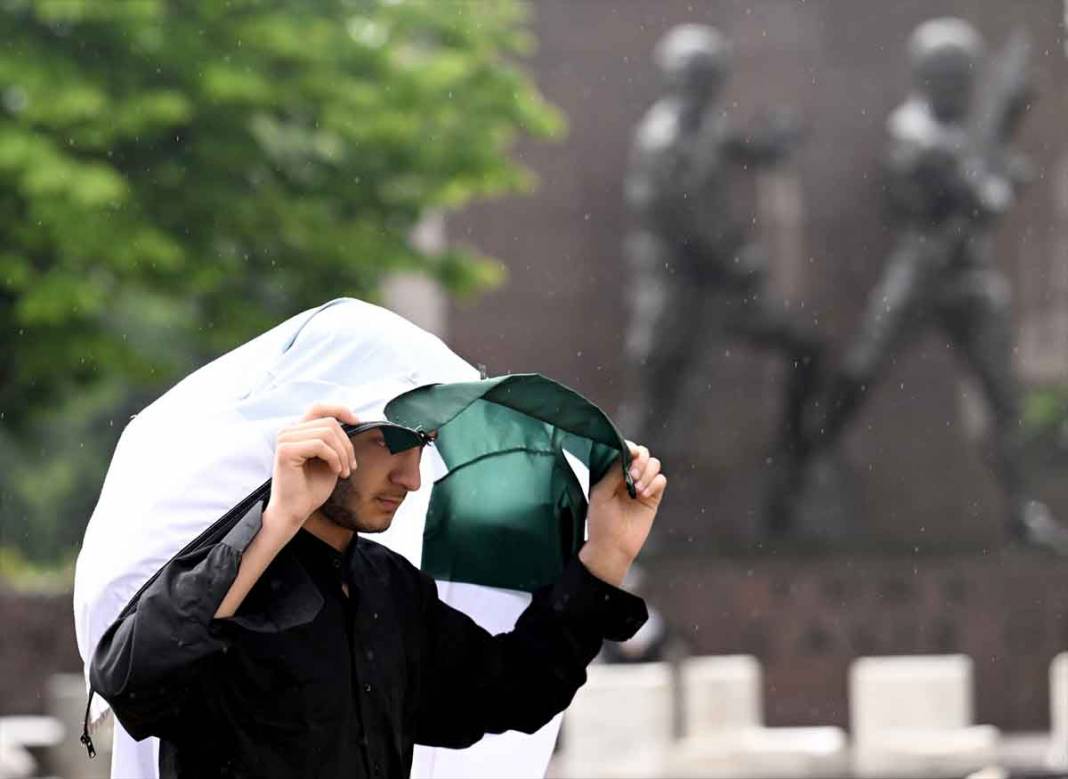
[38, 641]
[807, 618]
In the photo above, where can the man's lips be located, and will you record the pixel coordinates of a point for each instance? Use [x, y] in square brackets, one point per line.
[391, 501]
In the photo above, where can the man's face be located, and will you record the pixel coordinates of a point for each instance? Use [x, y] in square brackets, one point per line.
[368, 499]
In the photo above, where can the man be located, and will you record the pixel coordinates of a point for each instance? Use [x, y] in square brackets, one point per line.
[946, 193]
[696, 275]
[220, 424]
[298, 647]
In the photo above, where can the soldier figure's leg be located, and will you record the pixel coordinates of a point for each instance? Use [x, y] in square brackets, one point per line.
[896, 308]
[661, 340]
[981, 323]
[751, 316]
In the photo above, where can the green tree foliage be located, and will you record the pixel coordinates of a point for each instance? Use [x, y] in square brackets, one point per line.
[178, 175]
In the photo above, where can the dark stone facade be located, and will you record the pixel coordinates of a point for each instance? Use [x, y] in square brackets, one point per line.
[38, 641]
[807, 618]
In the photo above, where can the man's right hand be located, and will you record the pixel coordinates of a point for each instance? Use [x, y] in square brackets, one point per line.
[309, 457]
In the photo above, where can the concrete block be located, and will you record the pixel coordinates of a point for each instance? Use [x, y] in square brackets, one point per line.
[721, 693]
[913, 715]
[1058, 712]
[725, 732]
[620, 722]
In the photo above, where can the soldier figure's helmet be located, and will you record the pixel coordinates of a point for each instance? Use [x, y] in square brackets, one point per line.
[944, 55]
[694, 59]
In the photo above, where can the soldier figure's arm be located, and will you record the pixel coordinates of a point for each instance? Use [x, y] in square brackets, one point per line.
[766, 142]
[931, 179]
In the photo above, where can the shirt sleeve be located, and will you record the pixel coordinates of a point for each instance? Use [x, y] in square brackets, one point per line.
[151, 659]
[473, 683]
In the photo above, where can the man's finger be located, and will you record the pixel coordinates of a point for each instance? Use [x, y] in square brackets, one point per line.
[656, 488]
[650, 472]
[329, 435]
[349, 447]
[342, 445]
[639, 459]
[343, 441]
[335, 410]
[297, 453]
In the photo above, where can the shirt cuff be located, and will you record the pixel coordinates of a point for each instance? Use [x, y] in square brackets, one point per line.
[245, 529]
[580, 597]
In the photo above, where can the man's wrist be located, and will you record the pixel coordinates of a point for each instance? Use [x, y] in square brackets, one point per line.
[278, 526]
[607, 564]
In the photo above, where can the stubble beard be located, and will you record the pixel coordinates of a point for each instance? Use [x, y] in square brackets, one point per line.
[336, 508]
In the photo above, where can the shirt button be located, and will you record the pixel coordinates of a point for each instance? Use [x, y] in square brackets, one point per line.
[370, 654]
[367, 688]
[336, 562]
[375, 615]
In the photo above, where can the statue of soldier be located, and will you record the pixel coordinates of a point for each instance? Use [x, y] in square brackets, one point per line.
[950, 175]
[694, 274]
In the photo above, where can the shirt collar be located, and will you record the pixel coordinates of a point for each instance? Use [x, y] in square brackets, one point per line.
[318, 554]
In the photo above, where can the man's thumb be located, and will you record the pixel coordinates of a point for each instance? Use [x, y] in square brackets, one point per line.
[610, 482]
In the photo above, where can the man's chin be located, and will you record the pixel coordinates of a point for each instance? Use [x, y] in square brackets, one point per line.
[380, 520]
[375, 526]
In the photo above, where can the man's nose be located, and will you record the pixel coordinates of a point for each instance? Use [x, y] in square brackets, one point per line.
[406, 472]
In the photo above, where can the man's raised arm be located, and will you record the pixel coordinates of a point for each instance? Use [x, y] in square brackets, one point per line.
[148, 662]
[473, 683]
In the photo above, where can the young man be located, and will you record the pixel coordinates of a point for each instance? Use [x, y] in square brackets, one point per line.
[296, 647]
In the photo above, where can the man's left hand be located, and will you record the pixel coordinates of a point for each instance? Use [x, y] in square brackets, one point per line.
[619, 524]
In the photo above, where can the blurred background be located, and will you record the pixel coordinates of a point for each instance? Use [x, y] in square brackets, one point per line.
[178, 177]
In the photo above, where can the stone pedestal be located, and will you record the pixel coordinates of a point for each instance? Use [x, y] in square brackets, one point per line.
[913, 715]
[620, 722]
[726, 736]
[722, 693]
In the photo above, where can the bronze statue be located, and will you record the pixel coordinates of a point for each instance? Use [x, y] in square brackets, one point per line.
[695, 276]
[950, 175]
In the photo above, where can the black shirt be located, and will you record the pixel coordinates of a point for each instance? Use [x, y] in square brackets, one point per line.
[306, 681]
